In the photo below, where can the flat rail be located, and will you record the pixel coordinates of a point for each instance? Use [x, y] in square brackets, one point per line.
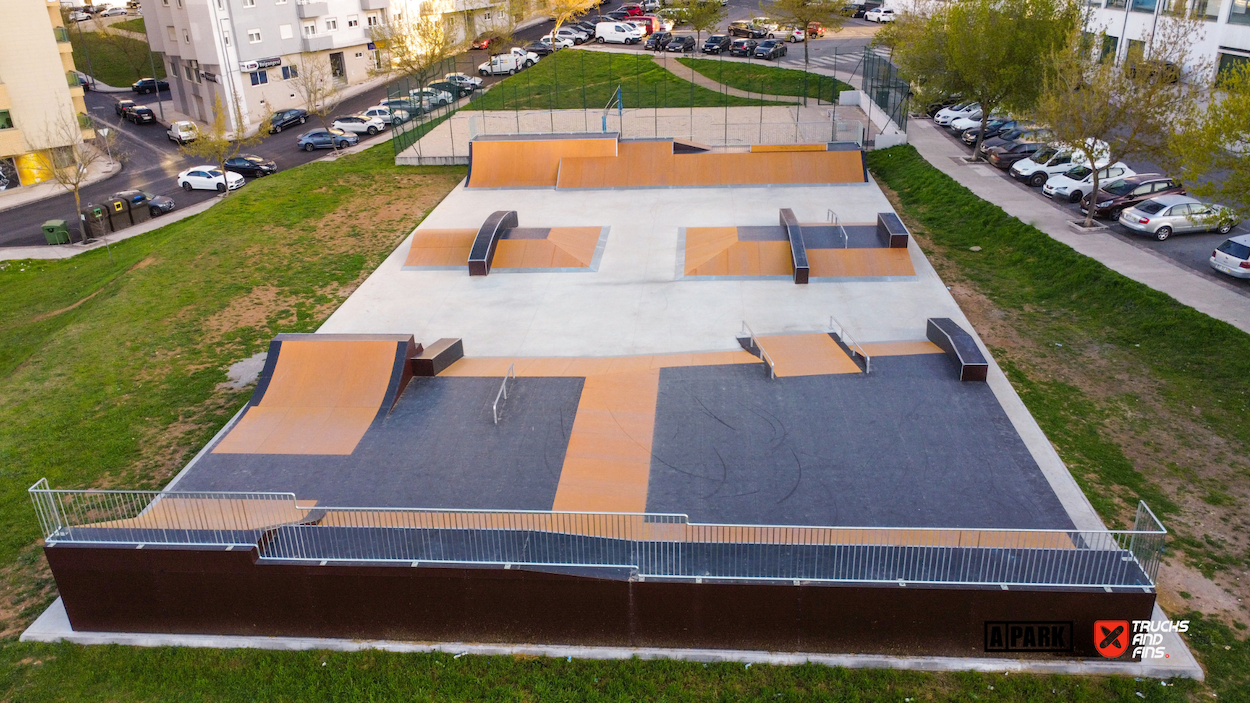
[833, 218]
[503, 391]
[755, 341]
[845, 338]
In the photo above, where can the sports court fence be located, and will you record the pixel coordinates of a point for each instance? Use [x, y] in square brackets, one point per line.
[646, 545]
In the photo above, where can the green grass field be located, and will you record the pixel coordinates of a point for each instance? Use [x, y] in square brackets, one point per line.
[576, 80]
[113, 60]
[768, 80]
[134, 25]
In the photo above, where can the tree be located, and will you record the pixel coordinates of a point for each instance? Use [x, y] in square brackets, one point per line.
[800, 14]
[415, 47]
[217, 145]
[1133, 106]
[992, 51]
[314, 82]
[66, 158]
[702, 16]
[1210, 147]
[565, 10]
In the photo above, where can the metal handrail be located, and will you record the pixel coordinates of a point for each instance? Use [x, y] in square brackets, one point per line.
[772, 373]
[845, 337]
[654, 545]
[503, 391]
[832, 216]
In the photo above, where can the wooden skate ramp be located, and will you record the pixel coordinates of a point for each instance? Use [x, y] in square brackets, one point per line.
[806, 355]
[320, 393]
[530, 162]
[654, 165]
[441, 248]
[859, 263]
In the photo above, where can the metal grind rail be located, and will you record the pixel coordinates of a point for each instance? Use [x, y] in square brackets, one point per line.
[845, 337]
[746, 329]
[833, 218]
[503, 391]
[647, 545]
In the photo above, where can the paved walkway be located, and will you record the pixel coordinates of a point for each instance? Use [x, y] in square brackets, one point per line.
[24, 195]
[1164, 276]
[686, 73]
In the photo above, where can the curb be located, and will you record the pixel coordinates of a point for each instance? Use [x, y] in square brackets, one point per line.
[116, 169]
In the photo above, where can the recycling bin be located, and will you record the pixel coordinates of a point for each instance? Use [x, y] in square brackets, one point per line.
[56, 232]
[119, 213]
[95, 221]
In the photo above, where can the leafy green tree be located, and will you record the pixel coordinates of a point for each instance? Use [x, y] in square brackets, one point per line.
[995, 52]
[1212, 147]
[800, 14]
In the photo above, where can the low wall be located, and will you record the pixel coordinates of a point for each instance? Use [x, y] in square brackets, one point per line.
[890, 134]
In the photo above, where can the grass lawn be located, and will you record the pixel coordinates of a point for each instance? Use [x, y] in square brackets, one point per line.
[116, 61]
[768, 80]
[583, 79]
[134, 25]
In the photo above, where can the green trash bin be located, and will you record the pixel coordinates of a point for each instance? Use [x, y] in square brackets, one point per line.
[56, 232]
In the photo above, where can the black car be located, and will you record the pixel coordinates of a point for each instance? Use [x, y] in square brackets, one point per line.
[251, 165]
[770, 49]
[286, 118]
[455, 89]
[617, 16]
[539, 48]
[743, 47]
[992, 129]
[861, 10]
[746, 29]
[157, 204]
[657, 41]
[139, 114]
[716, 43]
[1008, 154]
[148, 85]
[1019, 134]
[680, 44]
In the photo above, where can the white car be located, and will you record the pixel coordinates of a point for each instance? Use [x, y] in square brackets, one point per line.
[433, 96]
[386, 114]
[360, 124]
[559, 42]
[461, 79]
[209, 178]
[793, 35]
[619, 33]
[573, 34]
[947, 115]
[1054, 160]
[114, 12]
[1232, 257]
[79, 16]
[1078, 181]
[960, 124]
[880, 14]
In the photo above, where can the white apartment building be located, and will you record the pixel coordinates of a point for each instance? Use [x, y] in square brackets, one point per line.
[247, 52]
[1127, 23]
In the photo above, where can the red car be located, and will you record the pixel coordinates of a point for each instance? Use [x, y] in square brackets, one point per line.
[632, 10]
[481, 43]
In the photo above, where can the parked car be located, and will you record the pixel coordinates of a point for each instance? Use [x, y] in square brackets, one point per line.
[1005, 156]
[1232, 257]
[618, 33]
[137, 114]
[508, 63]
[880, 14]
[554, 44]
[992, 129]
[456, 90]
[114, 12]
[617, 16]
[1075, 183]
[414, 108]
[633, 10]
[680, 44]
[792, 34]
[121, 106]
[741, 28]
[251, 165]
[433, 96]
[326, 139]
[716, 44]
[573, 33]
[157, 204]
[1019, 134]
[147, 85]
[482, 42]
[769, 26]
[87, 82]
[393, 117]
[79, 16]
[657, 41]
[1057, 160]
[770, 49]
[286, 118]
[743, 47]
[538, 47]
[960, 124]
[1113, 198]
[815, 30]
[947, 115]
[464, 79]
[649, 24]
[183, 132]
[360, 124]
[1166, 215]
[209, 178]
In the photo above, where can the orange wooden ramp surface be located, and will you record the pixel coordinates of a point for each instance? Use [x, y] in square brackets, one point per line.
[717, 251]
[564, 247]
[859, 263]
[529, 163]
[440, 247]
[652, 164]
[806, 355]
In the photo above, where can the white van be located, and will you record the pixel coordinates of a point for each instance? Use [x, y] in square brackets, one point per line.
[183, 132]
[618, 33]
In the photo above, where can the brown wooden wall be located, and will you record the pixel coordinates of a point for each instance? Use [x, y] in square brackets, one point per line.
[220, 592]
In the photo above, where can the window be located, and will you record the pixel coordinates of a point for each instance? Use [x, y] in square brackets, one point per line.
[285, 31]
[259, 77]
[279, 2]
[186, 36]
[486, 16]
[253, 36]
[353, 21]
[1208, 10]
[190, 74]
[332, 24]
[1147, 6]
[172, 33]
[249, 3]
[225, 36]
[6, 120]
[1238, 14]
[221, 5]
[165, 3]
[180, 4]
[194, 67]
[310, 29]
[289, 72]
[371, 20]
[1228, 63]
[1110, 45]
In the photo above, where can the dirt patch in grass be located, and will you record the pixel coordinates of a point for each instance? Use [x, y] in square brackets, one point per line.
[1192, 464]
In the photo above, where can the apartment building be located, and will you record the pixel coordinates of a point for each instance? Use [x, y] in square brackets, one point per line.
[1129, 23]
[40, 98]
[248, 53]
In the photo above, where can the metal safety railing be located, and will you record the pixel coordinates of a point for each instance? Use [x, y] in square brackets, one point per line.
[832, 218]
[845, 337]
[750, 334]
[503, 391]
[647, 545]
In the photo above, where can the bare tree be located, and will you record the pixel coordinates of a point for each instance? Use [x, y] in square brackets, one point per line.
[414, 47]
[802, 14]
[702, 16]
[316, 86]
[1135, 106]
[67, 158]
[217, 145]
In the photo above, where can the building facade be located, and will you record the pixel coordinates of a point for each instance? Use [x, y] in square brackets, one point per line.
[1128, 24]
[41, 100]
[247, 54]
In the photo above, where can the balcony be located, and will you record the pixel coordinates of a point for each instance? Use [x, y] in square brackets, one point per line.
[311, 8]
[374, 4]
[318, 43]
[61, 33]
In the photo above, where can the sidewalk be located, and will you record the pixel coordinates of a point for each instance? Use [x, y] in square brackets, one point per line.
[17, 197]
[1160, 274]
